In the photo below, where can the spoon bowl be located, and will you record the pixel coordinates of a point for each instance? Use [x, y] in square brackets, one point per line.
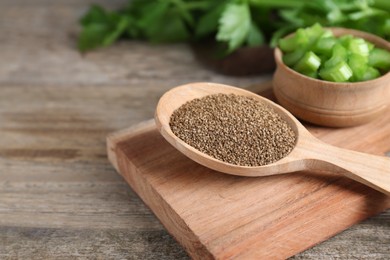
[309, 153]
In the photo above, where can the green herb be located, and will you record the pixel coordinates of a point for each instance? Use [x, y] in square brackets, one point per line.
[237, 28]
[101, 28]
[164, 21]
[232, 23]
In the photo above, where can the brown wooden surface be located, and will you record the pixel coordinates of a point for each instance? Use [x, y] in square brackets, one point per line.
[59, 196]
[215, 215]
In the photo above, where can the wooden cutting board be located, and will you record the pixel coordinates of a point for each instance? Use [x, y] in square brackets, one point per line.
[214, 215]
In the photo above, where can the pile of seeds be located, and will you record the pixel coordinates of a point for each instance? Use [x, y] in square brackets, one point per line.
[234, 129]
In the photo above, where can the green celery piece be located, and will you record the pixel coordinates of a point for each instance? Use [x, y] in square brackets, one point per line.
[279, 33]
[324, 46]
[234, 25]
[358, 65]
[308, 63]
[344, 40]
[340, 72]
[298, 40]
[380, 59]
[371, 46]
[358, 46]
[371, 73]
[327, 34]
[339, 53]
[311, 74]
[314, 32]
[293, 57]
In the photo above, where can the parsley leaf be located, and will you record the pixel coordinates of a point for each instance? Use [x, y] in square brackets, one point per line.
[208, 22]
[101, 28]
[255, 36]
[235, 25]
[163, 22]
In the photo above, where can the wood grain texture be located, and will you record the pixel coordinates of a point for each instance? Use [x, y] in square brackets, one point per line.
[214, 215]
[59, 196]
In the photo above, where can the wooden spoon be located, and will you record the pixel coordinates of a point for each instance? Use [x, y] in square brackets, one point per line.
[309, 153]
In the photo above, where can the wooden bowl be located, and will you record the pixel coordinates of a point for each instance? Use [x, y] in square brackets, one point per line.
[329, 103]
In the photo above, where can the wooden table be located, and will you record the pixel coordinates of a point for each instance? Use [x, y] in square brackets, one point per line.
[59, 196]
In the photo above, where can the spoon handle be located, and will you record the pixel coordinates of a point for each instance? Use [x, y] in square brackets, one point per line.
[371, 170]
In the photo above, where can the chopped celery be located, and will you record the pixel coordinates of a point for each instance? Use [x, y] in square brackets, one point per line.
[371, 73]
[314, 32]
[311, 74]
[339, 53]
[327, 34]
[379, 58]
[340, 72]
[293, 57]
[343, 40]
[303, 38]
[371, 46]
[358, 46]
[324, 46]
[358, 65]
[317, 53]
[308, 63]
[299, 40]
